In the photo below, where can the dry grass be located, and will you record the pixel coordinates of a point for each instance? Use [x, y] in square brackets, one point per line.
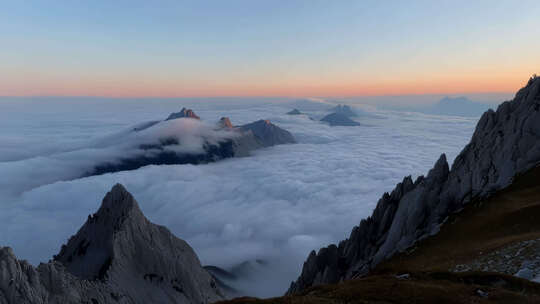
[420, 288]
[510, 216]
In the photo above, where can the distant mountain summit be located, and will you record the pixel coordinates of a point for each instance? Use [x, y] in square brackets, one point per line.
[268, 134]
[344, 110]
[170, 142]
[294, 112]
[225, 122]
[504, 145]
[117, 256]
[184, 113]
[339, 119]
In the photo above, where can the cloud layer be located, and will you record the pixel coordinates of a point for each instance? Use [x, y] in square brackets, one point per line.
[276, 205]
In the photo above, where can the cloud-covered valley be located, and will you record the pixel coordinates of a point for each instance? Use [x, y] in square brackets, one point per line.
[276, 205]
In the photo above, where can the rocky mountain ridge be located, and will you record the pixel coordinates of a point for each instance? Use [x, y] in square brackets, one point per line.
[505, 143]
[338, 119]
[231, 142]
[184, 113]
[117, 256]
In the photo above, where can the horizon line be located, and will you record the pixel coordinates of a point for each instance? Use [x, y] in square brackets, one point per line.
[257, 96]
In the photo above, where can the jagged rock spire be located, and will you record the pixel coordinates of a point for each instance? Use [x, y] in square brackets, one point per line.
[225, 123]
[117, 256]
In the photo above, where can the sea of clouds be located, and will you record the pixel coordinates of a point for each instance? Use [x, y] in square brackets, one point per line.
[276, 205]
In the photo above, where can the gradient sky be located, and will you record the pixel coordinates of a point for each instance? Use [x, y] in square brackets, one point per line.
[266, 48]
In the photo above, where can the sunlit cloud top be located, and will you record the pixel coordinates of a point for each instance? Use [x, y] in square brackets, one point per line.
[266, 48]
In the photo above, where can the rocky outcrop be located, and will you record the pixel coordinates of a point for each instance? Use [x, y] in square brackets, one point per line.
[294, 112]
[505, 143]
[117, 256]
[268, 134]
[344, 110]
[184, 113]
[225, 123]
[337, 119]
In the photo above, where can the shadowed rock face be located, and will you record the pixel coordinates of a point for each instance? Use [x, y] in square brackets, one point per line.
[337, 119]
[505, 143]
[184, 113]
[268, 134]
[212, 152]
[117, 256]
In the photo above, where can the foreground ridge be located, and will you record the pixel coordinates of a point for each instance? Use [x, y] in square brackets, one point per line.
[117, 256]
[505, 143]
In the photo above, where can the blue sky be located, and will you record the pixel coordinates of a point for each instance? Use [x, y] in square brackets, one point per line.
[266, 48]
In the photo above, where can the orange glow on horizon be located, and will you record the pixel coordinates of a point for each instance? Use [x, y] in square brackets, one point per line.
[444, 84]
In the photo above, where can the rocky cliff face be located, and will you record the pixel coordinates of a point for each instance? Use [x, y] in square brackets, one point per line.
[505, 143]
[184, 113]
[225, 123]
[268, 134]
[117, 256]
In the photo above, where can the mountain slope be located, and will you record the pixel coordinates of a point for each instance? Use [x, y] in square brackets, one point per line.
[337, 119]
[505, 144]
[477, 237]
[415, 288]
[183, 139]
[117, 256]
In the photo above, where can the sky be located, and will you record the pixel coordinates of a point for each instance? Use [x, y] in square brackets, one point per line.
[266, 48]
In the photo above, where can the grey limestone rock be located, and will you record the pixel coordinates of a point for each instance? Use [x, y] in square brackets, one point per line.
[505, 143]
[338, 119]
[117, 256]
[268, 134]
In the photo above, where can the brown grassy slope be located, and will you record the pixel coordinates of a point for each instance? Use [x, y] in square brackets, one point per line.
[420, 288]
[509, 216]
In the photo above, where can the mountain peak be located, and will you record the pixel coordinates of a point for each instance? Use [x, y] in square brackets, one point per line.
[267, 133]
[119, 200]
[89, 253]
[339, 119]
[184, 113]
[119, 249]
[504, 145]
[225, 122]
[294, 112]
